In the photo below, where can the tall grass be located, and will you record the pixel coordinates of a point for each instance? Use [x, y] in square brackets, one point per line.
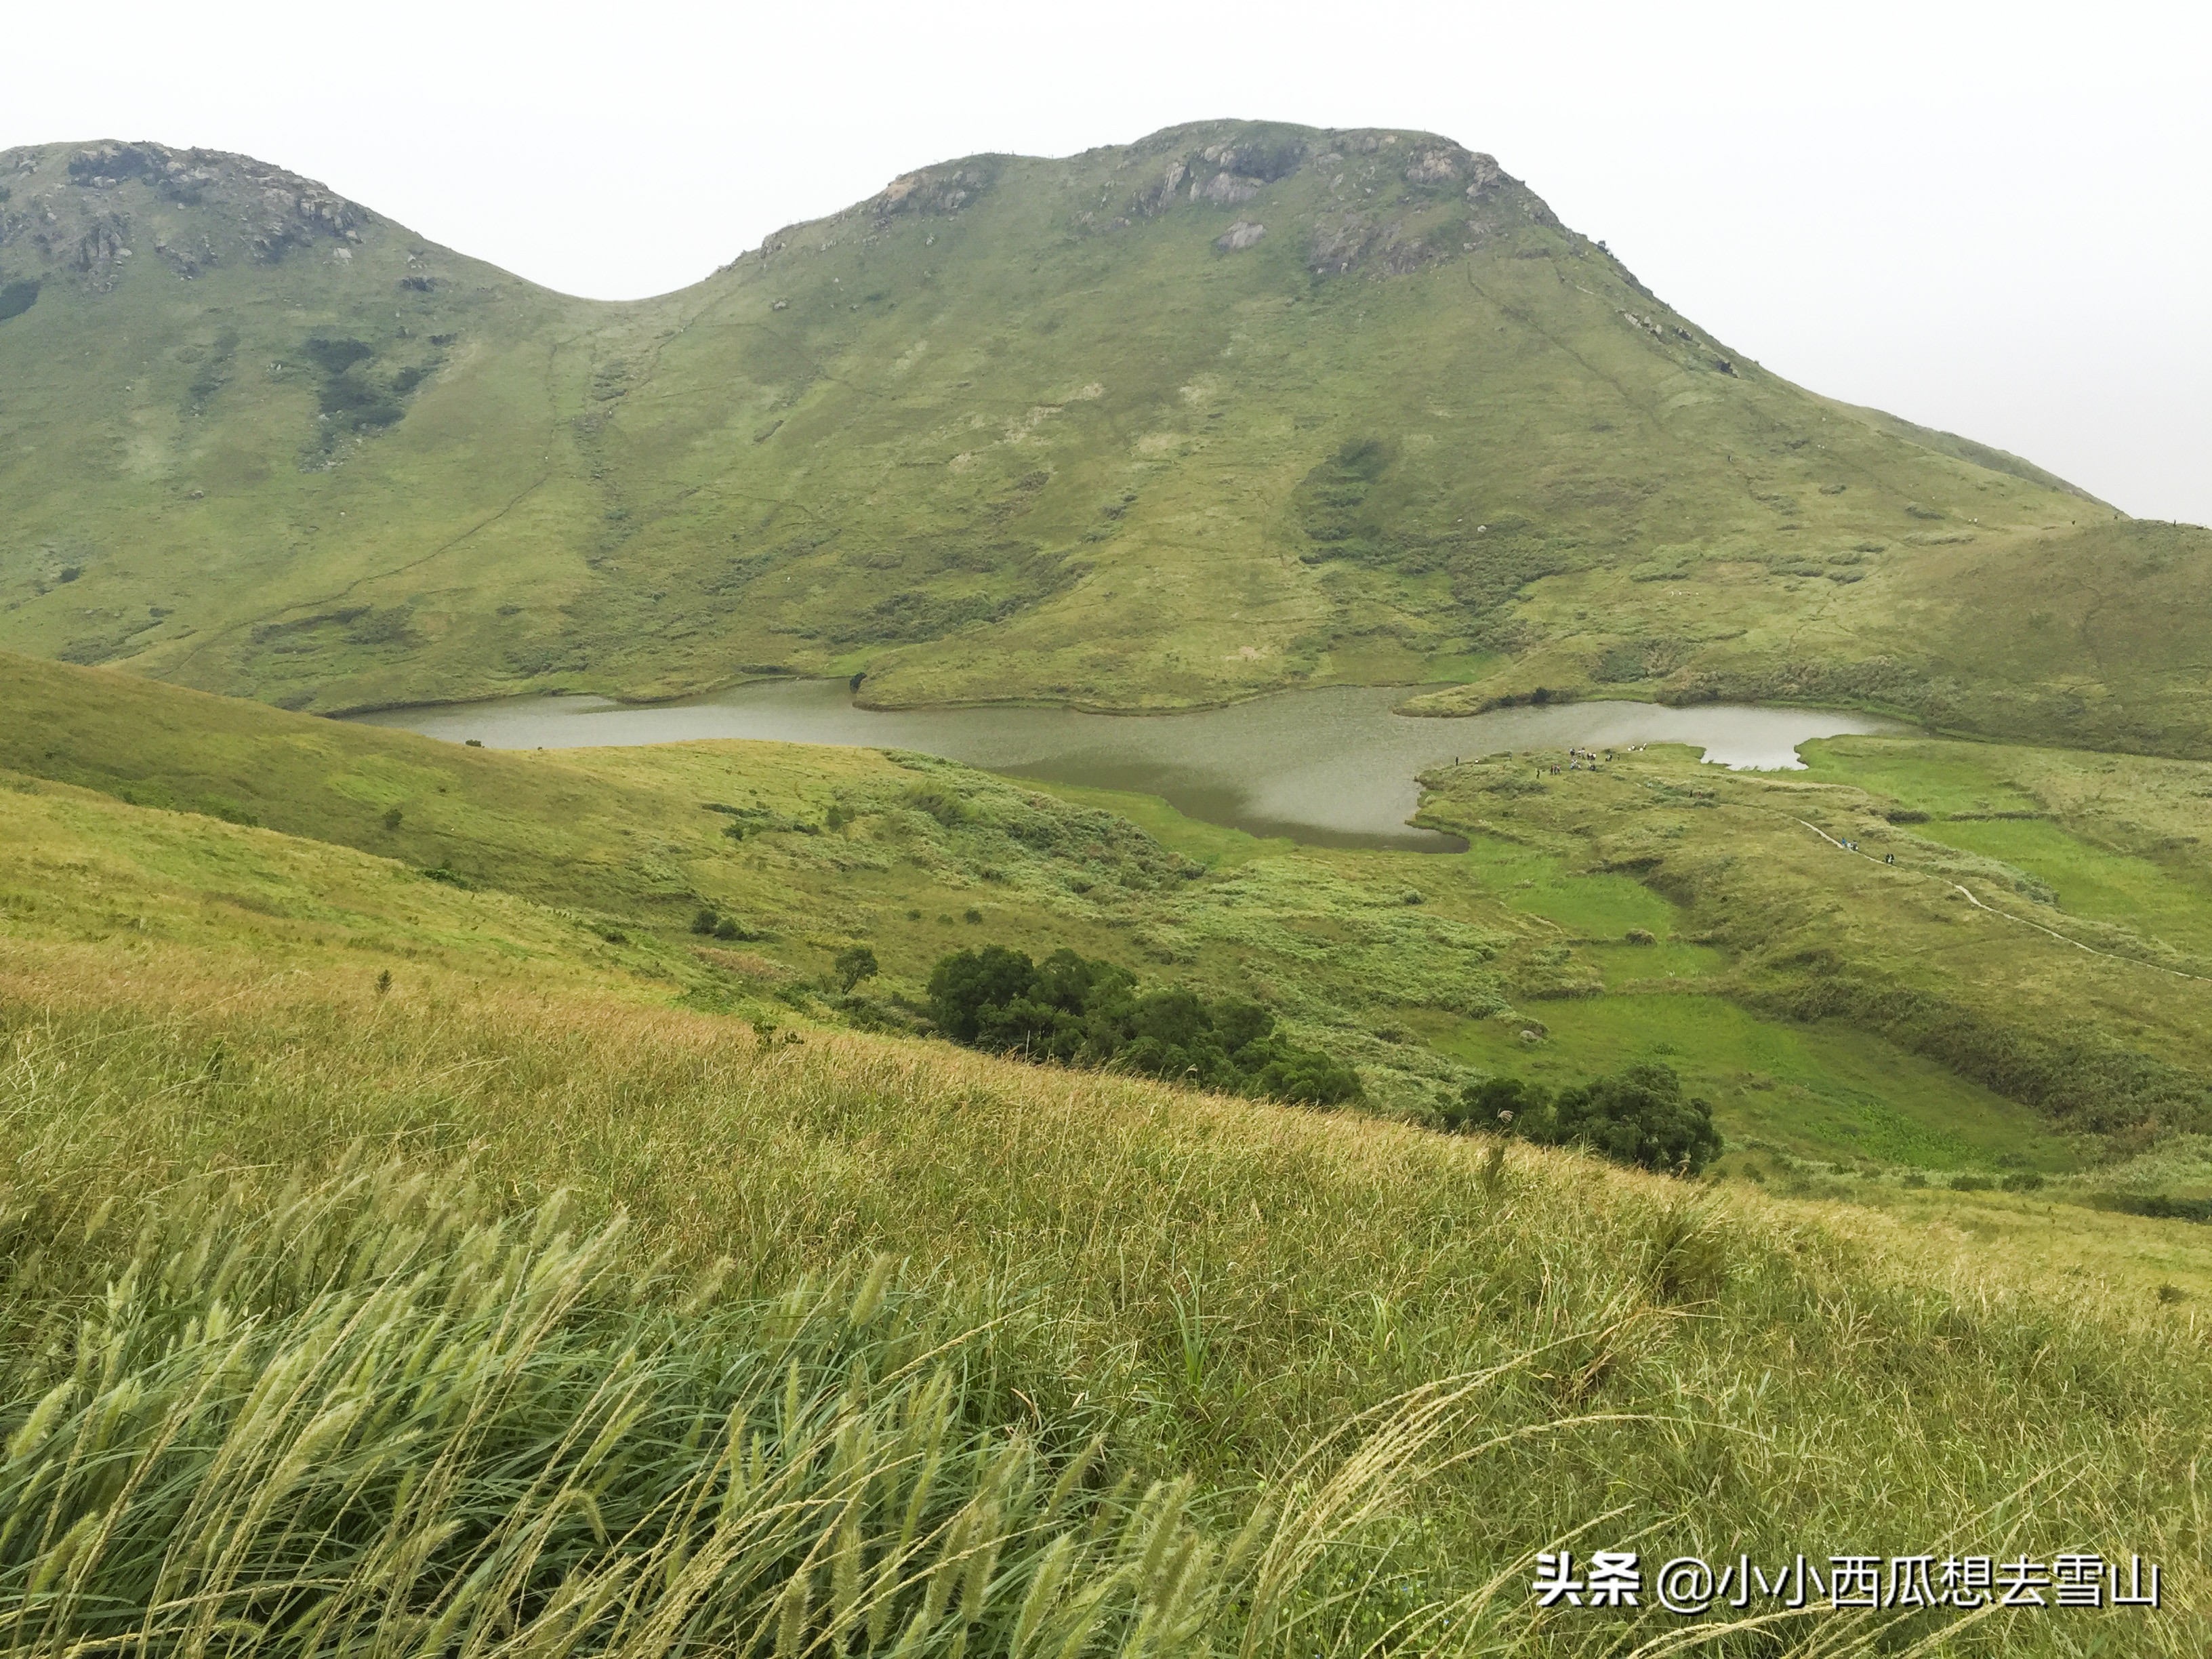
[1246, 1307]
[371, 1419]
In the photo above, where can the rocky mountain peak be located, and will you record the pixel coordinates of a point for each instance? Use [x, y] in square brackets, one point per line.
[86, 211]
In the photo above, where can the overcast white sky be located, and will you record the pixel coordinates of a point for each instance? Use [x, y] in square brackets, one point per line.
[1995, 218]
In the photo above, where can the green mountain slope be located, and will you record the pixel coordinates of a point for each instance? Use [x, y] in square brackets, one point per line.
[1235, 407]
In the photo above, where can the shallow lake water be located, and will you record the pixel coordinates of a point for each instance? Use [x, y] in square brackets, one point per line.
[1332, 767]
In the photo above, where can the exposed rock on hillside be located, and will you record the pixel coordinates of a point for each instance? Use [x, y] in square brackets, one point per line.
[87, 212]
[1161, 191]
[936, 189]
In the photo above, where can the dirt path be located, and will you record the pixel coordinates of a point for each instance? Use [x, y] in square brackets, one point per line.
[2110, 956]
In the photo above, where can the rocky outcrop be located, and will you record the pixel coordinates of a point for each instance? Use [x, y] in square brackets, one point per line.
[1260, 158]
[942, 190]
[88, 212]
[1344, 242]
[1239, 236]
[1434, 167]
[1339, 242]
[1225, 174]
[1160, 192]
[1225, 190]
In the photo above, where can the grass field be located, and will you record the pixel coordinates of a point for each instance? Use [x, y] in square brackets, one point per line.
[1824, 1090]
[1208, 1287]
[1963, 958]
[2072, 822]
[405, 1186]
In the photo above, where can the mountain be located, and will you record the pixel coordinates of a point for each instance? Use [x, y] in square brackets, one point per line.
[1240, 406]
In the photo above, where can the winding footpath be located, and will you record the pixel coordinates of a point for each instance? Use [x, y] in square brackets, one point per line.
[2110, 956]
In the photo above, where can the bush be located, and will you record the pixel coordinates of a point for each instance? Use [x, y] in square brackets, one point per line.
[1082, 1011]
[1639, 1116]
[854, 963]
[16, 297]
[1499, 1105]
[2157, 1205]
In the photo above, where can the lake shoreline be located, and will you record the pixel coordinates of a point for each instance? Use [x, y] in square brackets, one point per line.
[1328, 765]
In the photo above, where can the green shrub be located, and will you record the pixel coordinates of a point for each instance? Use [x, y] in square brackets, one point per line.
[1639, 1116]
[16, 297]
[1081, 1011]
[1497, 1105]
[2158, 1206]
[854, 963]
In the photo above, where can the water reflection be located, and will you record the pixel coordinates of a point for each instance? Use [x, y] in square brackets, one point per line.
[1332, 767]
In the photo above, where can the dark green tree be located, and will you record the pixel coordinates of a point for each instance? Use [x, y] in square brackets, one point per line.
[1083, 1012]
[854, 963]
[1502, 1105]
[1640, 1116]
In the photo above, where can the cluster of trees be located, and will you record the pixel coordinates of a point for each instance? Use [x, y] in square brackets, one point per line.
[1086, 1013]
[1639, 1116]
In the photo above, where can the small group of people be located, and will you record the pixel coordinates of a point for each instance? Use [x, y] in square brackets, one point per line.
[1853, 847]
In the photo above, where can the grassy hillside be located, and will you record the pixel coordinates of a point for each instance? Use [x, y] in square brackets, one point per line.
[1836, 1009]
[1235, 407]
[1996, 928]
[285, 1257]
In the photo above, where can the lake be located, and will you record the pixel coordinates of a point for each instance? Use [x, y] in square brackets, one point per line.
[1332, 767]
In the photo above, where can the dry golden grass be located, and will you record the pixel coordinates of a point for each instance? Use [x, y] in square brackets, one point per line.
[1213, 1284]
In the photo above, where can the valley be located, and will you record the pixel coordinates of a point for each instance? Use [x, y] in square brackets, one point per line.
[503, 797]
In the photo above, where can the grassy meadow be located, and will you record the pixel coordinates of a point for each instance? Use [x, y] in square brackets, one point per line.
[422, 1240]
[623, 847]
[462, 1312]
